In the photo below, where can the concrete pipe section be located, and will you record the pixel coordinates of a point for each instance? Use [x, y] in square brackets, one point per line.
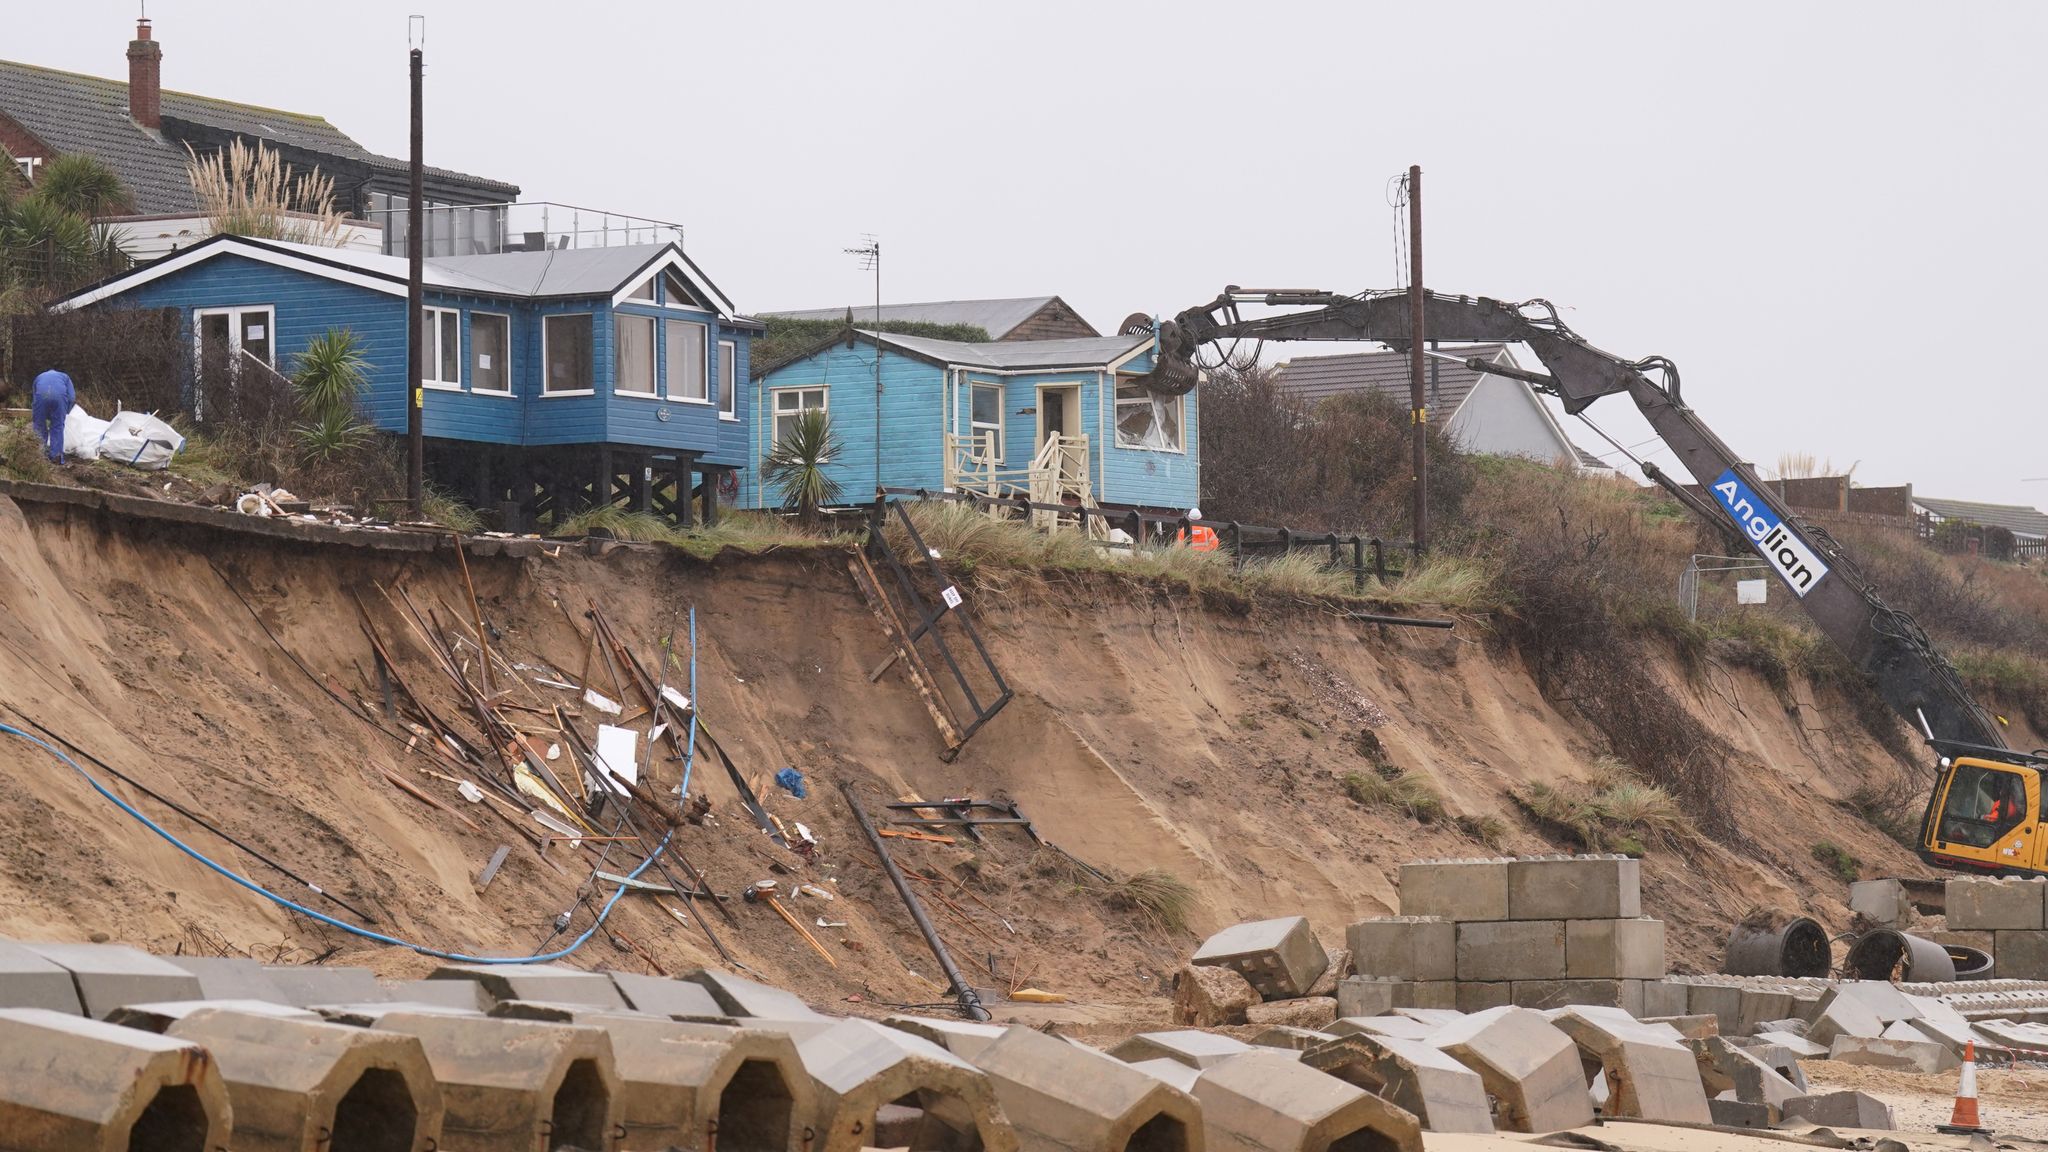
[305, 1083]
[1877, 955]
[74, 1085]
[1796, 947]
[1267, 1100]
[1061, 1096]
[876, 1087]
[514, 1086]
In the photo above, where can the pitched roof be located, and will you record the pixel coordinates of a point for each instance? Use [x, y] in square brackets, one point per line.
[1314, 379]
[996, 317]
[1089, 352]
[74, 112]
[556, 272]
[2016, 518]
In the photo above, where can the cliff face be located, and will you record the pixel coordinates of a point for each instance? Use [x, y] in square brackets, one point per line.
[1148, 733]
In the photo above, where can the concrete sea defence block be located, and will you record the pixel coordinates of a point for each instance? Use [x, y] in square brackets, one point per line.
[1614, 949]
[1338, 968]
[466, 995]
[2020, 955]
[299, 1083]
[1976, 903]
[661, 996]
[738, 996]
[690, 1085]
[1210, 997]
[1479, 995]
[1725, 1067]
[69, 1084]
[1061, 1096]
[1444, 1095]
[30, 981]
[110, 975]
[1193, 1048]
[1281, 957]
[1883, 902]
[1574, 888]
[861, 1070]
[1883, 1052]
[1266, 1102]
[1741, 1113]
[1306, 1012]
[543, 983]
[1172, 1072]
[1397, 1026]
[510, 1083]
[230, 978]
[1664, 998]
[963, 1038]
[1511, 950]
[1546, 994]
[1649, 1076]
[1290, 1039]
[1455, 889]
[1841, 1110]
[1529, 1066]
[1404, 947]
[1426, 995]
[305, 985]
[1363, 996]
[1721, 1001]
[158, 1018]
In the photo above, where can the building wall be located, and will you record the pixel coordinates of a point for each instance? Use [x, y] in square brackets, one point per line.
[1145, 477]
[911, 433]
[1503, 417]
[1055, 321]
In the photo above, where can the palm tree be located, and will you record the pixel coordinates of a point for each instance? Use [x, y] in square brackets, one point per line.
[48, 241]
[328, 377]
[796, 465]
[83, 186]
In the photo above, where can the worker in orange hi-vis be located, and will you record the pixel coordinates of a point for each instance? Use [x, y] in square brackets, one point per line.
[1199, 537]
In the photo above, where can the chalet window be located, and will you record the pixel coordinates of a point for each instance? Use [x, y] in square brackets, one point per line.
[793, 402]
[677, 293]
[985, 419]
[566, 347]
[490, 352]
[688, 374]
[633, 354]
[643, 292]
[1147, 420]
[441, 348]
[226, 332]
[728, 380]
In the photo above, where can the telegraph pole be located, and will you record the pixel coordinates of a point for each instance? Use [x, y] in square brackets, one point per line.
[1417, 402]
[415, 291]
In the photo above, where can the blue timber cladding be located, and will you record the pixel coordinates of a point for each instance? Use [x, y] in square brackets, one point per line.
[305, 304]
[910, 433]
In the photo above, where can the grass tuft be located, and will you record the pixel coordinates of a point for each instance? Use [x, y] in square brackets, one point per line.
[1395, 791]
[1839, 861]
[1159, 896]
[1489, 830]
[1613, 810]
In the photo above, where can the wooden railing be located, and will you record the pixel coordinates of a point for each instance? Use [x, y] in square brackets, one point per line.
[1056, 479]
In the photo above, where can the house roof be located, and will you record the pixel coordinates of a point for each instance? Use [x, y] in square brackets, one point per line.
[567, 272]
[996, 317]
[1089, 352]
[2016, 518]
[73, 112]
[1314, 379]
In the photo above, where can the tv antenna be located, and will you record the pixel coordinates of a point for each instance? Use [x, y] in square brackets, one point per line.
[870, 253]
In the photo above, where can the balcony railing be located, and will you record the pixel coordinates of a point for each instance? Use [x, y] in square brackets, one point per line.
[525, 226]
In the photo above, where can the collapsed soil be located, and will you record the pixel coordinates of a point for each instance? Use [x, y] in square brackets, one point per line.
[1148, 731]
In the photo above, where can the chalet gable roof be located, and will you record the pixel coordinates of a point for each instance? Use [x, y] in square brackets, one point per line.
[998, 317]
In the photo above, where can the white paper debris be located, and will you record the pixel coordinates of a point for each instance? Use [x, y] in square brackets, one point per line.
[601, 703]
[654, 736]
[617, 750]
[676, 700]
[547, 683]
[824, 923]
[559, 827]
[554, 751]
[470, 792]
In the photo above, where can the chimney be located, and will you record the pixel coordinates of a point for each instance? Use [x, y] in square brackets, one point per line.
[145, 79]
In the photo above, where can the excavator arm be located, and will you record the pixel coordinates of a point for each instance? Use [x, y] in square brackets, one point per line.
[1911, 676]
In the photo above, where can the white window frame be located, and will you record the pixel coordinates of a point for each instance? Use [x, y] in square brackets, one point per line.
[544, 362]
[633, 294]
[508, 389]
[673, 392]
[728, 380]
[653, 389]
[430, 350]
[775, 411]
[1157, 402]
[233, 314]
[976, 427]
[667, 274]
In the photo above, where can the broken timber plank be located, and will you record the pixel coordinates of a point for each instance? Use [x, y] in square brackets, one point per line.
[892, 626]
[490, 872]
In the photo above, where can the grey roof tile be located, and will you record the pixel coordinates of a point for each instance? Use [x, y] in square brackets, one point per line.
[1314, 379]
[557, 272]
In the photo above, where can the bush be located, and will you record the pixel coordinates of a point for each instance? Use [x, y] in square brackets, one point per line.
[1613, 811]
[1838, 861]
[1395, 790]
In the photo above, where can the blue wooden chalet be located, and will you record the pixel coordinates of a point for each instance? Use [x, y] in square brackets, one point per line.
[554, 380]
[1060, 421]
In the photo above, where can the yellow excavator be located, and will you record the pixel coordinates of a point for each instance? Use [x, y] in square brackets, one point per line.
[1985, 813]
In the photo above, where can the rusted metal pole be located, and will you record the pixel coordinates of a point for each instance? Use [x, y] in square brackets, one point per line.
[1418, 404]
[415, 360]
[970, 1001]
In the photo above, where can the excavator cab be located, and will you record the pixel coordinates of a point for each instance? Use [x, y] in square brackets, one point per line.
[1986, 816]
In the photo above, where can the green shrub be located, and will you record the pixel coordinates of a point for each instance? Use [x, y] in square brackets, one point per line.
[1838, 861]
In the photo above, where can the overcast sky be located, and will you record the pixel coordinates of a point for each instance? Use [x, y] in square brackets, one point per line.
[1828, 215]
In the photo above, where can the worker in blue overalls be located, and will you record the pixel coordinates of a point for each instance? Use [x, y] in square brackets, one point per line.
[54, 396]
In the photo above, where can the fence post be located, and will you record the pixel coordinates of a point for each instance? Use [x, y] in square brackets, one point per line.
[1379, 559]
[1358, 563]
[1286, 541]
[1136, 527]
[1336, 557]
[1236, 546]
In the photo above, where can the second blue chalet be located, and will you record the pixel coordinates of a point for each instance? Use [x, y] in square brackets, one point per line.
[554, 380]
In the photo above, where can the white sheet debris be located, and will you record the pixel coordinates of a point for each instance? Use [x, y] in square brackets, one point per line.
[470, 792]
[677, 700]
[601, 703]
[617, 752]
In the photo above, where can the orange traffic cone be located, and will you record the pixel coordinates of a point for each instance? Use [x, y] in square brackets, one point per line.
[1963, 1121]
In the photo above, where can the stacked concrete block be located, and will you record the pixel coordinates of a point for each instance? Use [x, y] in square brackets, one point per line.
[1197, 1050]
[1455, 890]
[1841, 1110]
[1281, 958]
[963, 1038]
[1527, 1065]
[1614, 949]
[515, 1084]
[27, 980]
[1443, 1094]
[862, 1074]
[1207, 996]
[110, 975]
[1061, 1096]
[1649, 1073]
[1511, 950]
[1267, 1102]
[305, 985]
[1405, 947]
[1882, 902]
[230, 978]
[542, 983]
[74, 1085]
[2014, 912]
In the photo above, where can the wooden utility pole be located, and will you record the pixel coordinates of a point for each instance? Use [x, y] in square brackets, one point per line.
[1418, 404]
[415, 335]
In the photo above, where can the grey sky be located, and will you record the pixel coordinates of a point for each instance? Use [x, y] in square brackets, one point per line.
[1829, 215]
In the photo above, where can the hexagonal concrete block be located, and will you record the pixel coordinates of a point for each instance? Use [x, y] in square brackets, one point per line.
[1614, 949]
[111, 975]
[1061, 1096]
[738, 996]
[1266, 1102]
[74, 1085]
[158, 1018]
[1281, 957]
[1924, 1056]
[1193, 1048]
[467, 995]
[1529, 1066]
[1649, 1075]
[29, 981]
[692, 1085]
[545, 983]
[1725, 1067]
[230, 978]
[661, 996]
[2020, 955]
[1172, 1072]
[1404, 947]
[1455, 889]
[1400, 1026]
[1841, 1110]
[1288, 1039]
[1975, 903]
[308, 984]
[1444, 1095]
[303, 1083]
[1511, 950]
[963, 1038]
[1574, 888]
[512, 1084]
[861, 1072]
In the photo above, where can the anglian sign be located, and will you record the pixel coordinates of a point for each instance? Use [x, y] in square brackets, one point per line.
[1789, 556]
